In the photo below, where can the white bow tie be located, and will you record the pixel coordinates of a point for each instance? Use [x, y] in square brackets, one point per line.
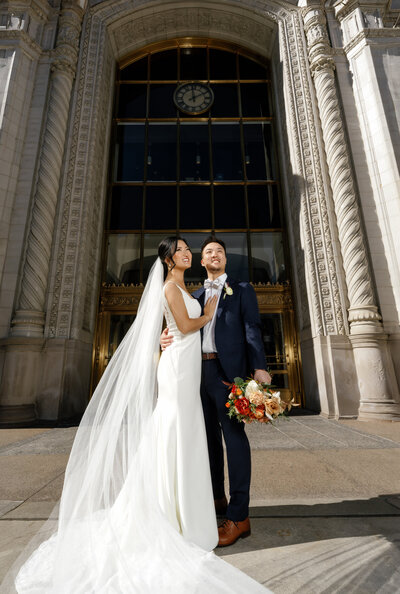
[209, 284]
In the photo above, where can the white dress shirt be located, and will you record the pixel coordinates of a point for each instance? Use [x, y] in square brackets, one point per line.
[209, 328]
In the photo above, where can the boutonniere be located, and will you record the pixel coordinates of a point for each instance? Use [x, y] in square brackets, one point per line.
[228, 290]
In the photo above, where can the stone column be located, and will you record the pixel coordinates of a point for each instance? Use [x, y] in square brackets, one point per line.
[23, 349]
[30, 314]
[376, 378]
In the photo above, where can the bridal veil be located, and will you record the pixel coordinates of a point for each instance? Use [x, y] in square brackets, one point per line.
[111, 536]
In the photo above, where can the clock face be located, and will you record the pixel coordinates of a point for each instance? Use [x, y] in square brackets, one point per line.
[193, 97]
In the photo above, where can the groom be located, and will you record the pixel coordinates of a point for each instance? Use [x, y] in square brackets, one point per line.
[231, 346]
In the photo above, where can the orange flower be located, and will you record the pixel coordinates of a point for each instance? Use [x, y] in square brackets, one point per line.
[238, 392]
[259, 412]
[227, 404]
[242, 406]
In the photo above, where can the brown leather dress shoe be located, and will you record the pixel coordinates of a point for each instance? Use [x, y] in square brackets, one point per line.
[221, 505]
[230, 531]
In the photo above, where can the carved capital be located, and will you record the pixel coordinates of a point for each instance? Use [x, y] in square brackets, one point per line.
[65, 54]
[63, 60]
[318, 46]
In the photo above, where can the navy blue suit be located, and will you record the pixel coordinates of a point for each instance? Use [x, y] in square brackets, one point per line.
[240, 351]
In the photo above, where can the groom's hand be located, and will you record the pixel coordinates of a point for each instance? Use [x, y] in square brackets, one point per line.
[262, 376]
[165, 339]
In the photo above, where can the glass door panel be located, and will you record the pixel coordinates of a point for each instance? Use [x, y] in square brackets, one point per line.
[123, 259]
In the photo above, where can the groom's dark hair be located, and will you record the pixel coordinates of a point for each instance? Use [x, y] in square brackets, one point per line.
[212, 239]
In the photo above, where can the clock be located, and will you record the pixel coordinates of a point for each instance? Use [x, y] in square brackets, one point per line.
[193, 97]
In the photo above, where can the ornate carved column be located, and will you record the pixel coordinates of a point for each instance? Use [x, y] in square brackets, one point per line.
[30, 315]
[376, 379]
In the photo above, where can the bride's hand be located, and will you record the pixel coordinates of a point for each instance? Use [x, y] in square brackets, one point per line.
[210, 307]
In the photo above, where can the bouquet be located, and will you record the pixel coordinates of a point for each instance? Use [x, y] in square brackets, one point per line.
[250, 401]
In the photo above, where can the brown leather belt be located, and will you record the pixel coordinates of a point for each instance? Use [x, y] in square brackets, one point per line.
[208, 356]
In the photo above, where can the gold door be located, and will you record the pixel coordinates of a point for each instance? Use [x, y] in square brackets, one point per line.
[118, 309]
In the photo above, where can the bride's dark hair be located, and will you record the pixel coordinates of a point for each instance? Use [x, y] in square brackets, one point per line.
[167, 248]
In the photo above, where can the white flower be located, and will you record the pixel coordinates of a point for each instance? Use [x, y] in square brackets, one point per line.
[228, 290]
[276, 396]
[252, 388]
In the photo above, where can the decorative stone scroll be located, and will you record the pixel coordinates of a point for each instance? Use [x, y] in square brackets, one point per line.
[36, 267]
[369, 343]
[358, 276]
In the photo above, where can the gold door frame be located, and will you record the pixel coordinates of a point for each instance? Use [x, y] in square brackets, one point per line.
[124, 300]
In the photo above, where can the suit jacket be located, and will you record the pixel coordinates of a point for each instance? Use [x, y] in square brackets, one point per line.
[237, 330]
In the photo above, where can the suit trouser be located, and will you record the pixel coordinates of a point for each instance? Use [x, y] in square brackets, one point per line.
[214, 396]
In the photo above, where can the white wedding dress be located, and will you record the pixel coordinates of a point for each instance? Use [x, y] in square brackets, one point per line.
[136, 514]
[184, 481]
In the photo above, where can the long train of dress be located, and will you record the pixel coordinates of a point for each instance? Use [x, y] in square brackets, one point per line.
[136, 513]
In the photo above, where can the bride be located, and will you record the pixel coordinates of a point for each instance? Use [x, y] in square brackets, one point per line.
[137, 512]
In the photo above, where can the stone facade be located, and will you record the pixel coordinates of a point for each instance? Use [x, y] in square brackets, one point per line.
[336, 77]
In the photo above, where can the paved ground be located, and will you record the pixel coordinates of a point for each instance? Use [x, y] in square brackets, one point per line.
[325, 502]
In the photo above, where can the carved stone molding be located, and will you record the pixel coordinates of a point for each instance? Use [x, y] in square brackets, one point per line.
[320, 260]
[369, 344]
[37, 259]
[355, 261]
[372, 36]
[127, 297]
[22, 38]
[76, 269]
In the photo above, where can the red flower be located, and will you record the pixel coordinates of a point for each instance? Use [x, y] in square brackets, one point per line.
[242, 406]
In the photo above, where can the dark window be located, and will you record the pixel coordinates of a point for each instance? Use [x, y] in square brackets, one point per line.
[268, 259]
[126, 208]
[263, 207]
[164, 66]
[237, 255]
[150, 241]
[135, 71]
[195, 207]
[227, 155]
[254, 100]
[225, 101]
[229, 207]
[161, 152]
[162, 101]
[257, 151]
[222, 65]
[194, 152]
[194, 173]
[129, 152]
[123, 258]
[132, 101]
[193, 64]
[160, 207]
[250, 70]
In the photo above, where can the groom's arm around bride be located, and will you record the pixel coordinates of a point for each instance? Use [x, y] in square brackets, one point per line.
[231, 346]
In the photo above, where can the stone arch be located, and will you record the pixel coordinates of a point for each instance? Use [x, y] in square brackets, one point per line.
[112, 30]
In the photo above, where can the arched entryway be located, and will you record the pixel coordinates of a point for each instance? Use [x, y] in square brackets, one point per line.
[193, 151]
